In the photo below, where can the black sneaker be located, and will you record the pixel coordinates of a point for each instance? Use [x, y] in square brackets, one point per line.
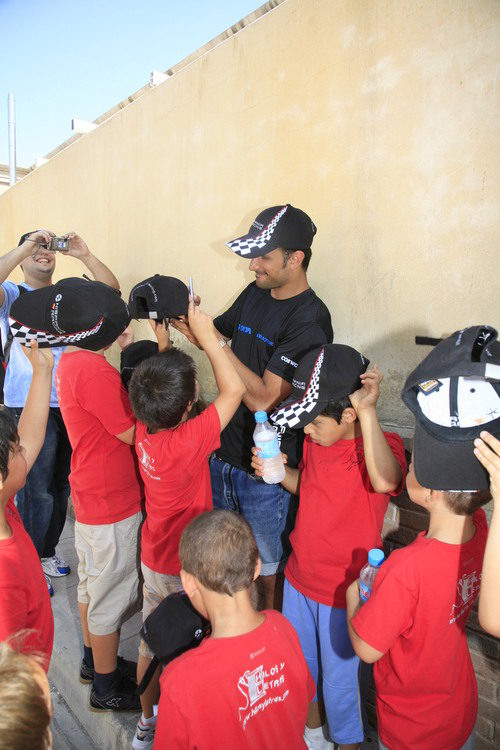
[122, 696]
[125, 667]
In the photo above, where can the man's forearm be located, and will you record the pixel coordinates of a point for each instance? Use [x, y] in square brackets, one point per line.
[11, 260]
[99, 271]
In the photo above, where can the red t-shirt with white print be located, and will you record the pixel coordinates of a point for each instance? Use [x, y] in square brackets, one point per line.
[24, 596]
[339, 519]
[425, 683]
[174, 468]
[248, 692]
[104, 479]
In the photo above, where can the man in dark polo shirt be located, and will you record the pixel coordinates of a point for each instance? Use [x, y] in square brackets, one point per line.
[271, 325]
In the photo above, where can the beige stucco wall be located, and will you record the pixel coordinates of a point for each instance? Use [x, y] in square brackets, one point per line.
[379, 118]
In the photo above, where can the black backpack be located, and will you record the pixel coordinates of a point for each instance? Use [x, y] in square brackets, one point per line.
[171, 629]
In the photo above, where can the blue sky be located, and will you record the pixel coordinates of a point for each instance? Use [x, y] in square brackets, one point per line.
[66, 59]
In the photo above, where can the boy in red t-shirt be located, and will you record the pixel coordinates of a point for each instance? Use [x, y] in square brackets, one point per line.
[25, 612]
[348, 470]
[247, 686]
[173, 455]
[413, 625]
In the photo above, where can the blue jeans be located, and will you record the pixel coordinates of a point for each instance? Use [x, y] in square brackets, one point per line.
[43, 501]
[269, 509]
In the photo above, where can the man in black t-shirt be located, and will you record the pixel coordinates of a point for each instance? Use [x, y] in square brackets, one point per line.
[271, 325]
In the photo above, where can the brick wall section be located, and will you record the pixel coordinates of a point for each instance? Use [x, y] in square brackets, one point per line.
[403, 521]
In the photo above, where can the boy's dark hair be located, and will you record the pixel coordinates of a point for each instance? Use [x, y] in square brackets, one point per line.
[9, 437]
[161, 388]
[464, 503]
[306, 260]
[335, 409]
[219, 549]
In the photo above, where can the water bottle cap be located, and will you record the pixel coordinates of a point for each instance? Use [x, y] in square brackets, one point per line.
[376, 557]
[260, 416]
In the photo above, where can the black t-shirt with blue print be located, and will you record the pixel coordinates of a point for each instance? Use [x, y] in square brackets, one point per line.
[270, 334]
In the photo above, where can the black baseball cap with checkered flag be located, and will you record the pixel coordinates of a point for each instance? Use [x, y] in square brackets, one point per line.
[279, 226]
[454, 394]
[325, 374]
[75, 311]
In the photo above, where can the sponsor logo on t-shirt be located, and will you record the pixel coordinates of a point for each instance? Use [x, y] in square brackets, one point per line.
[300, 384]
[467, 591]
[289, 361]
[264, 339]
[261, 688]
[244, 329]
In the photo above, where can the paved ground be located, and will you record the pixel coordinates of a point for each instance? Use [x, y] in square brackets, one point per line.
[74, 726]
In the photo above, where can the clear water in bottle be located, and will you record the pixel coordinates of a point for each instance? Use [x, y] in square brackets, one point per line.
[266, 439]
[375, 559]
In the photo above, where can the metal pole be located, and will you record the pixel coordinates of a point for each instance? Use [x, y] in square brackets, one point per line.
[12, 141]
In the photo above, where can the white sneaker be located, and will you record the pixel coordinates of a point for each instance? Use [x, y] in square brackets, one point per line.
[55, 566]
[144, 736]
[317, 739]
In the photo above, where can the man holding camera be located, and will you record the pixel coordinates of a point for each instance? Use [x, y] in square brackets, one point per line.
[42, 503]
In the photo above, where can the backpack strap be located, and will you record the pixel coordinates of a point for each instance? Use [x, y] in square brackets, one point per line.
[10, 337]
[148, 675]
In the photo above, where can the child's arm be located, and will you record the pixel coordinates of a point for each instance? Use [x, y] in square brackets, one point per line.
[383, 468]
[291, 482]
[229, 383]
[487, 450]
[366, 653]
[33, 421]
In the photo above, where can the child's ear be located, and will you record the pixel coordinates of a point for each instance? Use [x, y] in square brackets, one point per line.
[349, 415]
[189, 583]
[258, 568]
[196, 396]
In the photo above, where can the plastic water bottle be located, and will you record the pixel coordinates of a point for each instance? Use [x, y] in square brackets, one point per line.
[375, 559]
[266, 439]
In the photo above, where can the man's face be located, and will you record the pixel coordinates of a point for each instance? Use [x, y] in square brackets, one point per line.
[271, 272]
[40, 265]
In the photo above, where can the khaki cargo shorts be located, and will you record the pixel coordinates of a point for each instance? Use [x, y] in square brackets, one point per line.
[108, 572]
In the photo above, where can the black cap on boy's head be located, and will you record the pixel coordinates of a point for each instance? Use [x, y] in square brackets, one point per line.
[326, 374]
[159, 297]
[279, 226]
[87, 314]
[133, 355]
[454, 394]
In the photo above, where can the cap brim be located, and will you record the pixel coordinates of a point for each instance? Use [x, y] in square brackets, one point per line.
[446, 466]
[297, 414]
[251, 247]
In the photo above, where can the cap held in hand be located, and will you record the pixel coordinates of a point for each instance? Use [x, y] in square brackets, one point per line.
[159, 297]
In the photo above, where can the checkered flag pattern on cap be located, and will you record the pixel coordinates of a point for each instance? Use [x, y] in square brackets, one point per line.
[290, 416]
[246, 245]
[25, 335]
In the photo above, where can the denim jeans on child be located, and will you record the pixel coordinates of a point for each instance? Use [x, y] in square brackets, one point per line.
[43, 501]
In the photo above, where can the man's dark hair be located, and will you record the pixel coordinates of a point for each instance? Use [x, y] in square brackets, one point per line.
[9, 438]
[335, 409]
[307, 256]
[161, 388]
[219, 549]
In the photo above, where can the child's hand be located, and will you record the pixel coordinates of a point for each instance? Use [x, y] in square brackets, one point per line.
[201, 324]
[41, 360]
[367, 396]
[487, 451]
[126, 338]
[162, 333]
[258, 463]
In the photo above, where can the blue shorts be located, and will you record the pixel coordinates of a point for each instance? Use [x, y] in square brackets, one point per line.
[269, 509]
[327, 648]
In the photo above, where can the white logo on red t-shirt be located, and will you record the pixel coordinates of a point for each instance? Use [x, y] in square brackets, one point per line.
[467, 590]
[255, 686]
[147, 462]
